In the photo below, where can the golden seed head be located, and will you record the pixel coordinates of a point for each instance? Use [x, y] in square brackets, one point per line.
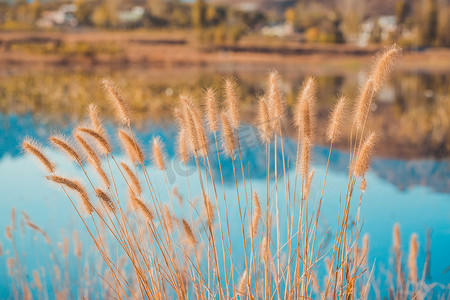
[99, 137]
[336, 119]
[122, 109]
[264, 124]
[158, 153]
[182, 147]
[275, 99]
[363, 185]
[363, 159]
[228, 140]
[363, 103]
[305, 108]
[190, 237]
[386, 59]
[94, 117]
[305, 158]
[211, 109]
[134, 181]
[189, 124]
[131, 147]
[243, 284]
[232, 101]
[37, 280]
[396, 237]
[61, 143]
[106, 200]
[256, 204]
[145, 211]
[412, 258]
[33, 148]
[77, 187]
[168, 219]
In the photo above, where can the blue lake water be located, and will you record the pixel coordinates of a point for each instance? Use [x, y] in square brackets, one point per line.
[414, 193]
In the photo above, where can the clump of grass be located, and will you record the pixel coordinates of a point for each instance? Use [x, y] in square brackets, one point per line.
[157, 239]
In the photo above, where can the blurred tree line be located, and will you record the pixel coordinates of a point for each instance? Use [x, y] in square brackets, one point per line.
[417, 22]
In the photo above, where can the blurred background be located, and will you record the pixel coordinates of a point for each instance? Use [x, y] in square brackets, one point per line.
[53, 55]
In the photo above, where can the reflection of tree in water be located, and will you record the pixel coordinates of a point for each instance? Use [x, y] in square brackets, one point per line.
[414, 119]
[404, 174]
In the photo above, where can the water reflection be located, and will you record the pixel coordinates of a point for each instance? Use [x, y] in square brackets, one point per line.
[417, 208]
[404, 174]
[411, 112]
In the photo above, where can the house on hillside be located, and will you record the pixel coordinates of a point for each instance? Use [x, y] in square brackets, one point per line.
[377, 29]
[133, 16]
[64, 16]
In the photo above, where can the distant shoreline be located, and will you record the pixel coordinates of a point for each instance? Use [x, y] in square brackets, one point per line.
[178, 49]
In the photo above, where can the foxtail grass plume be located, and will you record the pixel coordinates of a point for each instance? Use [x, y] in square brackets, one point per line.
[188, 123]
[131, 147]
[363, 103]
[211, 110]
[106, 200]
[396, 238]
[33, 148]
[232, 101]
[256, 216]
[133, 180]
[102, 141]
[63, 144]
[77, 187]
[275, 98]
[200, 130]
[308, 183]
[363, 185]
[122, 109]
[132, 199]
[305, 159]
[363, 159]
[93, 159]
[209, 210]
[37, 280]
[305, 108]
[168, 219]
[264, 125]
[336, 119]
[412, 258]
[228, 141]
[94, 117]
[243, 284]
[158, 153]
[365, 249]
[265, 250]
[190, 237]
[384, 64]
[145, 211]
[182, 147]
